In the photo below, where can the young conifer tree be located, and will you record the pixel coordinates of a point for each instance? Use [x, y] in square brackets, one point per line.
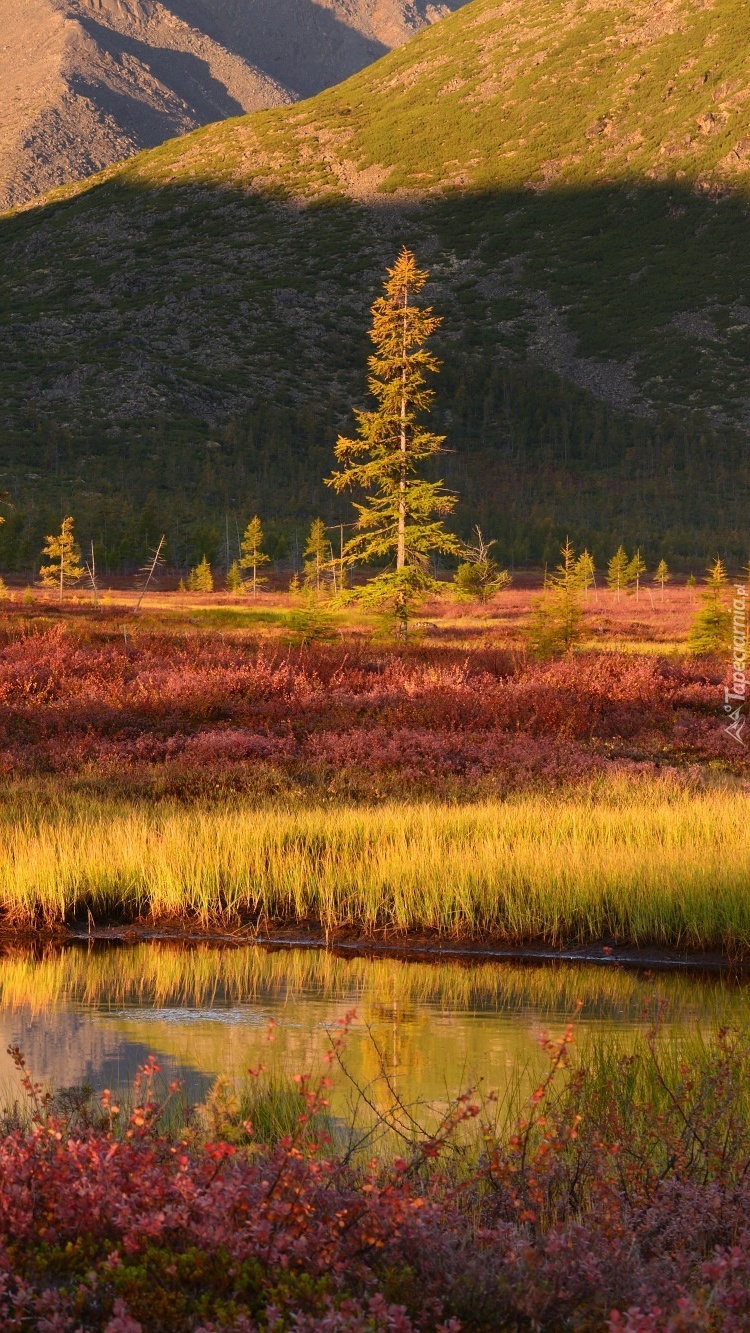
[662, 575]
[586, 570]
[478, 575]
[233, 581]
[401, 516]
[253, 555]
[617, 571]
[316, 553]
[64, 568]
[201, 578]
[555, 625]
[636, 567]
[711, 630]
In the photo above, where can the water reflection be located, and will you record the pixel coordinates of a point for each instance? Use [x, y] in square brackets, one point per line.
[94, 1014]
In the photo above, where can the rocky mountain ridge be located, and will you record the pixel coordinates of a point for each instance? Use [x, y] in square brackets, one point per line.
[85, 83]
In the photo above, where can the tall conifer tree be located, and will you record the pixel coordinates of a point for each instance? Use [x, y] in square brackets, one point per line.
[401, 516]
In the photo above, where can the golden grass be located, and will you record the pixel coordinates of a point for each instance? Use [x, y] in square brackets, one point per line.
[644, 863]
[610, 624]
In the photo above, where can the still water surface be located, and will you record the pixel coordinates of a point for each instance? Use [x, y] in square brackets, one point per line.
[92, 1015]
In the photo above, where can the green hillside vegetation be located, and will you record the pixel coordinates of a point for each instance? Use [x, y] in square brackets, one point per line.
[183, 337]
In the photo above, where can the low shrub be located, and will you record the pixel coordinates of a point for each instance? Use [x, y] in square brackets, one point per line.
[618, 1200]
[72, 705]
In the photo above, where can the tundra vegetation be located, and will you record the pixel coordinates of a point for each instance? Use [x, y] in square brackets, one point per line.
[614, 1197]
[263, 760]
[287, 777]
[215, 760]
[553, 767]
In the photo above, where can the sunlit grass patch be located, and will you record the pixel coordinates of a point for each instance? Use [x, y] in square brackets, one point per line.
[641, 863]
[238, 617]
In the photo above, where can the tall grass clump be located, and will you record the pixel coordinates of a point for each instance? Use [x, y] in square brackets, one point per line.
[647, 864]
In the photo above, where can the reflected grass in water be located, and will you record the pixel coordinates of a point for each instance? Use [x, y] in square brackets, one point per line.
[641, 864]
[163, 975]
[423, 1031]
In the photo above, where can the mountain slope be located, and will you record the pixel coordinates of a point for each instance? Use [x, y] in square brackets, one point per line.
[187, 331]
[84, 83]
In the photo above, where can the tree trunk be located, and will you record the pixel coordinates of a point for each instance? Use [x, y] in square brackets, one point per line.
[401, 546]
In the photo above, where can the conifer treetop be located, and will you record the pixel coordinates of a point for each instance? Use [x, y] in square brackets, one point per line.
[251, 545]
[717, 574]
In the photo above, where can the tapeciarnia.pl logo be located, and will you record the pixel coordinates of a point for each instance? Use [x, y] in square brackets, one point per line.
[736, 697]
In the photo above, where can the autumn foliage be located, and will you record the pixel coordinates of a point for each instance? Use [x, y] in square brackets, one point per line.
[616, 1203]
[196, 704]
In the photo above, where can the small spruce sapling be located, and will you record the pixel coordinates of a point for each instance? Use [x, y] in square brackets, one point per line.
[200, 579]
[711, 630]
[253, 555]
[555, 626]
[311, 624]
[64, 569]
[662, 575]
[478, 575]
[234, 581]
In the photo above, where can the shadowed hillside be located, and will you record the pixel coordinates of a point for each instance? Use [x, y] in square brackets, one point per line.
[185, 335]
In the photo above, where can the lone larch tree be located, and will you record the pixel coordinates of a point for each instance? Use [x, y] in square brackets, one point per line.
[401, 515]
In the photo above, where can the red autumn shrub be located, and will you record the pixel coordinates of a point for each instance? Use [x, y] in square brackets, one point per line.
[612, 1203]
[201, 704]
